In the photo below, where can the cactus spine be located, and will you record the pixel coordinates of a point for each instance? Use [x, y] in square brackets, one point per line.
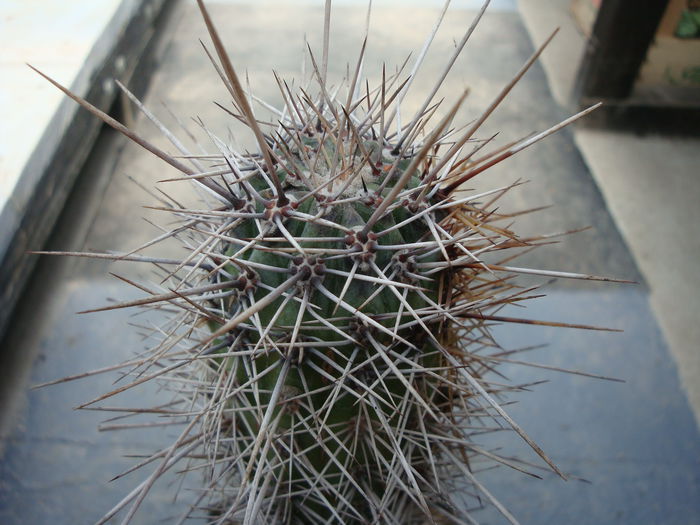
[329, 333]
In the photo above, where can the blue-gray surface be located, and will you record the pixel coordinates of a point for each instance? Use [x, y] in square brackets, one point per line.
[635, 443]
[56, 465]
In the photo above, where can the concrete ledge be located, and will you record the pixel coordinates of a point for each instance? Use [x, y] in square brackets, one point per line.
[45, 138]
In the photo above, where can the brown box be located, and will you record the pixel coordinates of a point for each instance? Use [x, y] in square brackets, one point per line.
[673, 63]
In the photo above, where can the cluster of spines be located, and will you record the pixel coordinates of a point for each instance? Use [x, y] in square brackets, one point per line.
[370, 422]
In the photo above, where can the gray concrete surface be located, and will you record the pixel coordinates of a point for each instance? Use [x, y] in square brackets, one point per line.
[636, 444]
[85, 48]
[651, 186]
[72, 44]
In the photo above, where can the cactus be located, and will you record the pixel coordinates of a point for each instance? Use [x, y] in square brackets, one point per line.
[328, 331]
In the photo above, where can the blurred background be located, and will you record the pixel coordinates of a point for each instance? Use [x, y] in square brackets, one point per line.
[630, 171]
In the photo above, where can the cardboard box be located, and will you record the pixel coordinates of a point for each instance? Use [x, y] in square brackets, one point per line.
[673, 62]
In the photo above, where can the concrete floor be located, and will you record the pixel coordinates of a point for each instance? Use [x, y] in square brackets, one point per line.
[651, 186]
[636, 444]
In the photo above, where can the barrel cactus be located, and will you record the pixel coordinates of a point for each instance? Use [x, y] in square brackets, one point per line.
[328, 330]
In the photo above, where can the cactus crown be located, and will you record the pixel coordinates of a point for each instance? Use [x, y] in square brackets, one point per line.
[329, 333]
